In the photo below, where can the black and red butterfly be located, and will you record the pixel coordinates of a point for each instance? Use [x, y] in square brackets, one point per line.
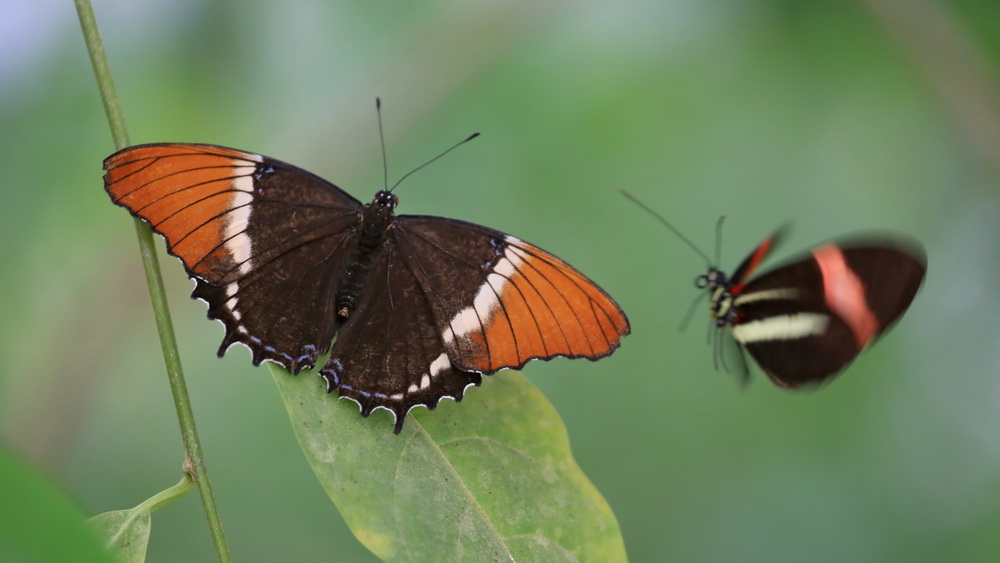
[806, 320]
[420, 306]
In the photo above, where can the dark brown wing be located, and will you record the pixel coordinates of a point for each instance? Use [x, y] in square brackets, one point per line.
[389, 353]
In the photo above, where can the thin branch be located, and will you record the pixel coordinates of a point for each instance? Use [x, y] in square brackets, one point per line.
[194, 458]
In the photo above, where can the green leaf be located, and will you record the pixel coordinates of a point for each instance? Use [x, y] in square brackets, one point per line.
[491, 478]
[126, 532]
[38, 522]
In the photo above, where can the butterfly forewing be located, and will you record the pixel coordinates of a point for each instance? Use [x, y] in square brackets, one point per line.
[500, 302]
[892, 274]
[752, 262]
[201, 198]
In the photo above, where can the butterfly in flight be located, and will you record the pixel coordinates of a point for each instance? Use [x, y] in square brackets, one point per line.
[805, 320]
[421, 306]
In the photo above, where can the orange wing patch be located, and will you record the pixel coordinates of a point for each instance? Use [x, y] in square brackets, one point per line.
[197, 196]
[533, 305]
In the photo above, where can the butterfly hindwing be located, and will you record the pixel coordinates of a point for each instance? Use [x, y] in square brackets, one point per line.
[390, 354]
[813, 344]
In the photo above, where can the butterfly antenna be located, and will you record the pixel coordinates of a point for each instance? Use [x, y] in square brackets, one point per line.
[744, 368]
[381, 138]
[713, 341]
[668, 225]
[690, 312]
[453, 147]
[718, 239]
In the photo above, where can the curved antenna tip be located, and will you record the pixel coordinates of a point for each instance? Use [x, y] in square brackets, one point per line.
[666, 223]
[453, 147]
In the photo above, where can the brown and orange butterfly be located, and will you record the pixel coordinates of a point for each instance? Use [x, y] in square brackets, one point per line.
[421, 306]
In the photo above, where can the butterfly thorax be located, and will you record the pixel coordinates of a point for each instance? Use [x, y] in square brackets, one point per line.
[721, 301]
[374, 223]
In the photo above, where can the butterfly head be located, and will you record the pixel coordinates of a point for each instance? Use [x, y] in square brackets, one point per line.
[379, 215]
[385, 199]
[711, 280]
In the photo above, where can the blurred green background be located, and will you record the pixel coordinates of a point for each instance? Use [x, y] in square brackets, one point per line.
[832, 116]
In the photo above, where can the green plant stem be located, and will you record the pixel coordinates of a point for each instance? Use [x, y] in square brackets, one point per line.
[194, 459]
[165, 497]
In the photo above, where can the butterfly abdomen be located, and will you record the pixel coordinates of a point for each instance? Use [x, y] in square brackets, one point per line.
[376, 220]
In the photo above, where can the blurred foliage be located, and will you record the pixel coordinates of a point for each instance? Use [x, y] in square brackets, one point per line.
[836, 116]
[38, 521]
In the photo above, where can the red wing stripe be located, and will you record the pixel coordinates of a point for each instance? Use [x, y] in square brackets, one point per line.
[176, 187]
[758, 256]
[845, 293]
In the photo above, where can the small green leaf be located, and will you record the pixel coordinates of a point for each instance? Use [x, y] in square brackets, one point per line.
[491, 478]
[126, 532]
[37, 520]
